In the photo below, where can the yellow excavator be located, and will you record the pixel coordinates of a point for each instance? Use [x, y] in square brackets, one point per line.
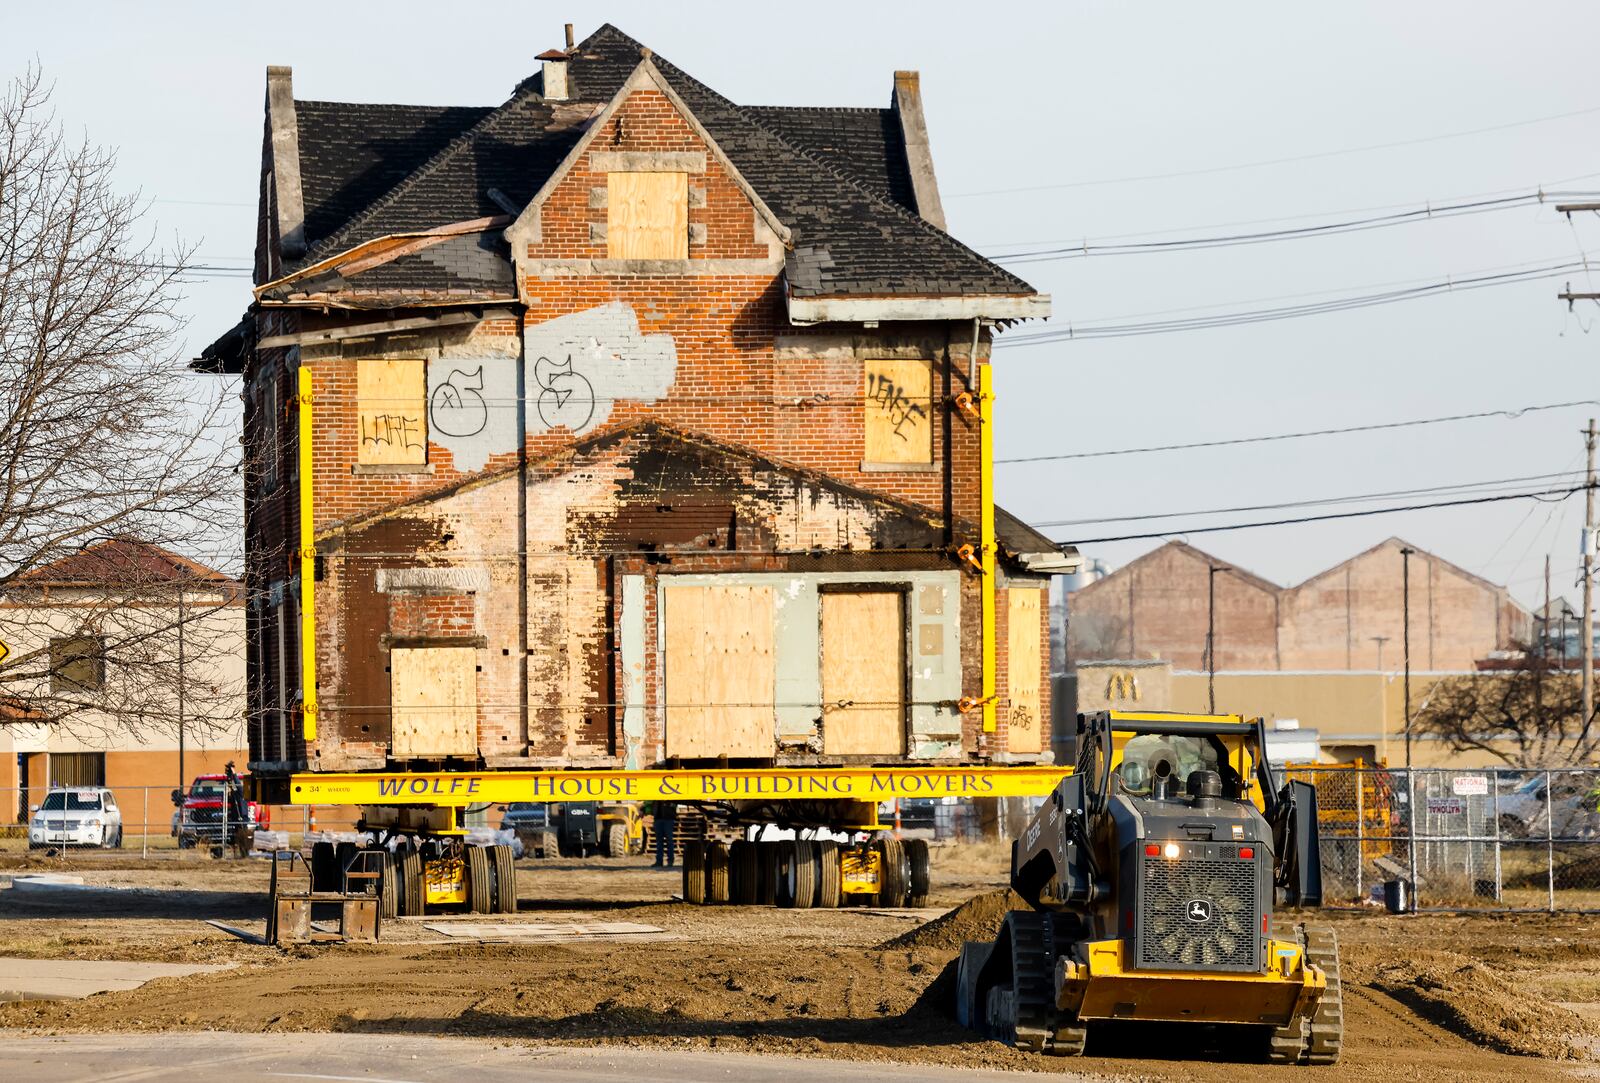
[1153, 873]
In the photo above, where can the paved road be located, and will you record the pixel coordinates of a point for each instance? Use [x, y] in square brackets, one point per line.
[376, 1058]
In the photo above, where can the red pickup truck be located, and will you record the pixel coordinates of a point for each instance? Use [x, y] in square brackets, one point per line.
[200, 813]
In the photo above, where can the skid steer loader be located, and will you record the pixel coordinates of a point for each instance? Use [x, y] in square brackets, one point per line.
[1152, 872]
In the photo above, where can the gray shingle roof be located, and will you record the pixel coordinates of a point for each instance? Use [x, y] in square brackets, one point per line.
[837, 178]
[352, 153]
[865, 145]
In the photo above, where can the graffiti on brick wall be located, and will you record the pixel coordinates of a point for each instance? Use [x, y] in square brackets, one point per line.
[472, 406]
[566, 397]
[457, 407]
[585, 363]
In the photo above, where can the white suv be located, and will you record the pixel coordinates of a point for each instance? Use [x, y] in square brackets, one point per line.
[76, 816]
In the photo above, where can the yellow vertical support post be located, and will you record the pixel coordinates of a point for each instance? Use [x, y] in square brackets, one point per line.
[986, 539]
[307, 552]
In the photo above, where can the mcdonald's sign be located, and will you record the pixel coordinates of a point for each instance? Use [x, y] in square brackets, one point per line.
[1122, 684]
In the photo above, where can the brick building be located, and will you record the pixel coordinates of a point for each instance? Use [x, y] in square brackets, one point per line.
[120, 655]
[1346, 618]
[644, 427]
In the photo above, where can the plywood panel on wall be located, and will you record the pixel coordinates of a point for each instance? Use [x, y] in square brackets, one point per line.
[720, 671]
[1024, 666]
[898, 410]
[863, 673]
[647, 215]
[390, 405]
[433, 693]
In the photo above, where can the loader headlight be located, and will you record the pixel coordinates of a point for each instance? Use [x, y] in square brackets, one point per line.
[1171, 850]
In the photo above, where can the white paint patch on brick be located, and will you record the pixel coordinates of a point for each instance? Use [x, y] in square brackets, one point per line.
[580, 364]
[432, 580]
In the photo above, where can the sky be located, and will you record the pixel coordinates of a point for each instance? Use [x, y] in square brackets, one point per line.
[1056, 125]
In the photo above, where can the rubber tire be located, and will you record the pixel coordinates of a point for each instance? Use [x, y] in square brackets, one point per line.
[895, 884]
[829, 874]
[694, 872]
[718, 869]
[549, 846]
[917, 855]
[784, 883]
[324, 867]
[389, 887]
[413, 891]
[480, 888]
[797, 881]
[617, 840]
[116, 843]
[504, 859]
[767, 864]
[746, 861]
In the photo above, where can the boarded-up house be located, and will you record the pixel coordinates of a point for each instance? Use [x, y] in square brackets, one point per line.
[644, 427]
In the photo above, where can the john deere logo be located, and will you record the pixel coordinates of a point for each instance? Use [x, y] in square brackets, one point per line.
[1199, 910]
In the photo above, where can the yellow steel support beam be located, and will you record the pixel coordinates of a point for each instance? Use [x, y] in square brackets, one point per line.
[307, 553]
[757, 784]
[986, 540]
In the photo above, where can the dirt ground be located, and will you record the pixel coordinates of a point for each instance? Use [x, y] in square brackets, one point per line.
[1507, 997]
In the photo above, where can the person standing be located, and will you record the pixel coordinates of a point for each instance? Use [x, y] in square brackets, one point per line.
[665, 823]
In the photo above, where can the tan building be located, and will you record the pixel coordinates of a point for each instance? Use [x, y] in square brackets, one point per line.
[1354, 715]
[117, 654]
[1348, 618]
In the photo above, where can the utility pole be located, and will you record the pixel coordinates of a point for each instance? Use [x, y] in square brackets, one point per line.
[1211, 635]
[182, 778]
[1405, 643]
[1587, 646]
[1412, 820]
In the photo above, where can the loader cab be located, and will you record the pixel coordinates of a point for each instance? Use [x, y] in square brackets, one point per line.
[1153, 754]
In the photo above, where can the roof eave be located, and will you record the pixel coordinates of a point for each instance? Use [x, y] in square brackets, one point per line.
[878, 309]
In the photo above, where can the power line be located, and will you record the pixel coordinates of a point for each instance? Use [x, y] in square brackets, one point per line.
[1547, 187]
[1427, 213]
[1269, 315]
[1508, 414]
[1140, 178]
[1559, 493]
[1321, 501]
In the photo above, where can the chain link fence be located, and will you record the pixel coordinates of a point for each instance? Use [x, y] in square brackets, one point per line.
[1459, 839]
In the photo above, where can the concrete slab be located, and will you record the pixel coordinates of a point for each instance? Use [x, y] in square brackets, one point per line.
[45, 881]
[73, 979]
[550, 932]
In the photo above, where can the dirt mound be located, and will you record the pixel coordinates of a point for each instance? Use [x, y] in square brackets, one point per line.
[978, 918]
[1481, 1005]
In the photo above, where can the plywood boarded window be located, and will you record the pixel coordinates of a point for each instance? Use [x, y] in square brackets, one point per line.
[899, 411]
[391, 408]
[863, 673]
[433, 695]
[720, 674]
[1024, 666]
[647, 215]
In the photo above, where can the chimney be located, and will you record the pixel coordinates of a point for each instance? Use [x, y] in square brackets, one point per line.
[570, 45]
[555, 75]
[907, 101]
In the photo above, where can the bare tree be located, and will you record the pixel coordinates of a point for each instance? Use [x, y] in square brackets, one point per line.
[1529, 714]
[103, 433]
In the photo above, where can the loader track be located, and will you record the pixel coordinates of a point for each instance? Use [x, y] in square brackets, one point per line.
[1319, 1037]
[1039, 1027]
